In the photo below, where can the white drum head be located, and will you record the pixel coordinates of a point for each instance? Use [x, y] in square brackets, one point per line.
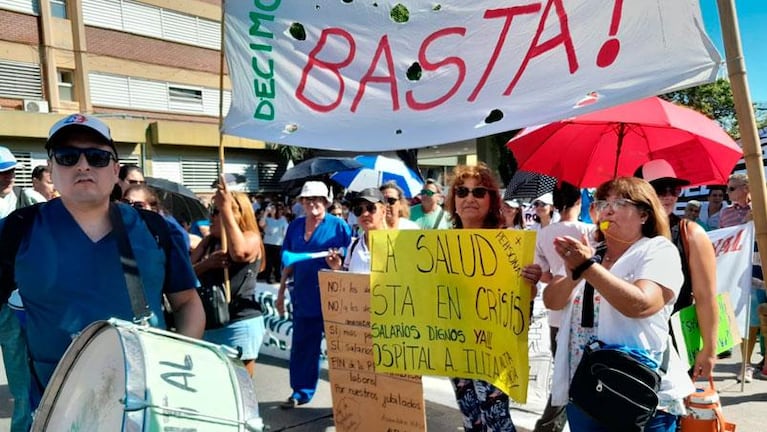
[89, 398]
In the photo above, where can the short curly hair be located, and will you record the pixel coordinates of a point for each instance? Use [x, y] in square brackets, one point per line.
[485, 177]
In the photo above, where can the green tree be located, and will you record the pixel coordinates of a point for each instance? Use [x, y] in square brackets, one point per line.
[715, 101]
[288, 152]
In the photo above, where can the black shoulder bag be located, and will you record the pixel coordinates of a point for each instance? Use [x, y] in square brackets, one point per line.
[214, 303]
[142, 314]
[610, 385]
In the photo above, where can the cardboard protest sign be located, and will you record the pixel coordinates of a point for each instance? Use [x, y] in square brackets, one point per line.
[452, 303]
[363, 400]
[419, 73]
[686, 330]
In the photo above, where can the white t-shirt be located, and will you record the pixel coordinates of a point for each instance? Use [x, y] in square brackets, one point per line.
[547, 257]
[274, 231]
[655, 259]
[405, 223]
[7, 204]
[358, 258]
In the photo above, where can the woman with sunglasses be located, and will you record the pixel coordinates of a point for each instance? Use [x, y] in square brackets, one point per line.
[512, 214]
[396, 207]
[543, 206]
[370, 211]
[474, 202]
[621, 295]
[143, 197]
[129, 174]
[233, 215]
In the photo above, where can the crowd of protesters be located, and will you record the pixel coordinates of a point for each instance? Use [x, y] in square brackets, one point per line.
[615, 282]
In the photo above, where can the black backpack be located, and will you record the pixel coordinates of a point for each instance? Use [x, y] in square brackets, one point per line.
[18, 224]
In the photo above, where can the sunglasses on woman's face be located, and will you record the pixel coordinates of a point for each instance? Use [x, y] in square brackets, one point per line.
[391, 201]
[427, 192]
[477, 192]
[69, 156]
[359, 209]
[137, 204]
[662, 191]
[136, 182]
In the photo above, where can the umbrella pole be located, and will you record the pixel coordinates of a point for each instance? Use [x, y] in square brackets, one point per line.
[752, 151]
[621, 133]
[224, 244]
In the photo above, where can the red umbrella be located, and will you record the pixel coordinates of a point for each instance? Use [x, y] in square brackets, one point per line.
[590, 149]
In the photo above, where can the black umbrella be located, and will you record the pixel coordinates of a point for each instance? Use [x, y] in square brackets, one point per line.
[318, 166]
[525, 184]
[178, 200]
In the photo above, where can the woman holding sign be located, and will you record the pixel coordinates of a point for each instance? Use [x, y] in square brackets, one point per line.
[617, 302]
[368, 207]
[474, 202]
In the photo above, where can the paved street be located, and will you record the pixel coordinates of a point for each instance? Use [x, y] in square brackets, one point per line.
[745, 409]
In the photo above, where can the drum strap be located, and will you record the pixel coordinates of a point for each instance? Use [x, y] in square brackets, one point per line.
[141, 311]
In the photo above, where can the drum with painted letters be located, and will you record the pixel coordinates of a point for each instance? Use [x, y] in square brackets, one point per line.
[118, 376]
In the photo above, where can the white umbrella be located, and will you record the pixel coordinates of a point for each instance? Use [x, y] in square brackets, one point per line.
[378, 170]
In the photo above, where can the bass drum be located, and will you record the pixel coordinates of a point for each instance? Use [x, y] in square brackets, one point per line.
[118, 376]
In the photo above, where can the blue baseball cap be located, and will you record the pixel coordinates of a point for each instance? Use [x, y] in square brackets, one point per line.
[7, 160]
[79, 121]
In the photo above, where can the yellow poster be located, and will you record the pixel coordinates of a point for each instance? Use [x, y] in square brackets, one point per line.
[452, 303]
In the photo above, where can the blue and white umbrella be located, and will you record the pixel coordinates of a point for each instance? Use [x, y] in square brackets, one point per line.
[378, 170]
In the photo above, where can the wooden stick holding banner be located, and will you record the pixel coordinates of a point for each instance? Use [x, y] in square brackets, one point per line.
[222, 179]
[752, 150]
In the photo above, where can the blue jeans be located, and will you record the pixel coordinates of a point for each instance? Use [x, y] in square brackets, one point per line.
[16, 368]
[581, 422]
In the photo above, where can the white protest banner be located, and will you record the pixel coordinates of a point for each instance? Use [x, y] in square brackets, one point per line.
[353, 75]
[734, 247]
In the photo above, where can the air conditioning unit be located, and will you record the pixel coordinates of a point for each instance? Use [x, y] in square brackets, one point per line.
[38, 106]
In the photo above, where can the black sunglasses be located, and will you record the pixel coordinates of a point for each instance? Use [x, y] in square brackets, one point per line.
[666, 190]
[359, 209]
[136, 182]
[136, 204]
[391, 201]
[69, 156]
[478, 192]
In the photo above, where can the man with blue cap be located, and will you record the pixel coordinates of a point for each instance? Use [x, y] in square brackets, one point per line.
[77, 237]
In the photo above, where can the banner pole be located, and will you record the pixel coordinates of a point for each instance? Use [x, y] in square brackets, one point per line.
[224, 246]
[752, 150]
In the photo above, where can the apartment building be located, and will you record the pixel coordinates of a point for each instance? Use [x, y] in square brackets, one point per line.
[149, 68]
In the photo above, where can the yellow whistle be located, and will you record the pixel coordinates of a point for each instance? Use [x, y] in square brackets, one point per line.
[604, 225]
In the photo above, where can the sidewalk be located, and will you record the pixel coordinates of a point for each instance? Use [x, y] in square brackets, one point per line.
[748, 409]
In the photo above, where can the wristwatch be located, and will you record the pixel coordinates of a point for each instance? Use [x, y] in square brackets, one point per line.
[577, 272]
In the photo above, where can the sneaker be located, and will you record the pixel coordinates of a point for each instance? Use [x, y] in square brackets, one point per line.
[289, 404]
[749, 375]
[292, 403]
[760, 374]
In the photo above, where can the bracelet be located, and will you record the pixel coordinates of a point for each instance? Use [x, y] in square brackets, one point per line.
[577, 272]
